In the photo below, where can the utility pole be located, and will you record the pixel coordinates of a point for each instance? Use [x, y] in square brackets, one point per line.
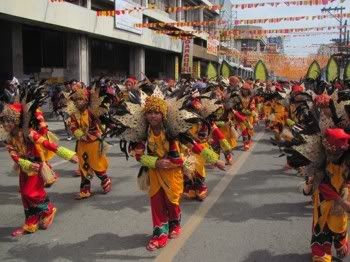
[340, 20]
[343, 54]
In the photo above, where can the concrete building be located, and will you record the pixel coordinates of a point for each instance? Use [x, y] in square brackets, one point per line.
[275, 45]
[66, 40]
[248, 43]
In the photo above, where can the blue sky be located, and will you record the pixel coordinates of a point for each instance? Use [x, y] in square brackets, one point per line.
[282, 11]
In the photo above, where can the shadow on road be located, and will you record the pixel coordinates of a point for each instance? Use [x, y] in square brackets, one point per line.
[5, 234]
[266, 255]
[9, 195]
[246, 186]
[266, 141]
[272, 151]
[138, 203]
[96, 247]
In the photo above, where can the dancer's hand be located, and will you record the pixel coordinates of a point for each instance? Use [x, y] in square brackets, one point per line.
[165, 164]
[344, 204]
[35, 167]
[74, 159]
[220, 164]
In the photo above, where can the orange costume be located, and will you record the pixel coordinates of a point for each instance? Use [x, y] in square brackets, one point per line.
[248, 109]
[92, 160]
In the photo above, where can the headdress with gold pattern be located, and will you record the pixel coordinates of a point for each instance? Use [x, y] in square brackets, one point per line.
[156, 104]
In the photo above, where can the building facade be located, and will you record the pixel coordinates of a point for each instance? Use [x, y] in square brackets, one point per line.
[67, 40]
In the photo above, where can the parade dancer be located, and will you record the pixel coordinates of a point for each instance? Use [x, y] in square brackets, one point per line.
[248, 109]
[195, 186]
[323, 154]
[86, 127]
[205, 133]
[22, 142]
[42, 128]
[160, 124]
[331, 200]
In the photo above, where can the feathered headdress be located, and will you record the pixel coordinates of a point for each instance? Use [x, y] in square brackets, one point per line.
[23, 113]
[311, 152]
[11, 113]
[133, 126]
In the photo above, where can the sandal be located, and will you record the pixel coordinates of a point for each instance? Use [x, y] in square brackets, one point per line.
[83, 195]
[19, 232]
[157, 242]
[47, 221]
[175, 232]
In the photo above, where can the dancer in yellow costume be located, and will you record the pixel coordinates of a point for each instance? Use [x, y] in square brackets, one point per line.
[160, 124]
[279, 116]
[323, 153]
[331, 204]
[248, 109]
[87, 129]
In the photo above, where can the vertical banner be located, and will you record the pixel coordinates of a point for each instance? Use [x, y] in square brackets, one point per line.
[187, 57]
[127, 21]
[176, 68]
[212, 46]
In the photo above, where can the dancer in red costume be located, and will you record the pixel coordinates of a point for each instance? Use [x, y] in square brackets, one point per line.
[22, 142]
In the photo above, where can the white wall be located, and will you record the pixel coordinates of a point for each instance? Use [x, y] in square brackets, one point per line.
[75, 17]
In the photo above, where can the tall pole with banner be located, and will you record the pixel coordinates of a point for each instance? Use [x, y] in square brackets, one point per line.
[187, 57]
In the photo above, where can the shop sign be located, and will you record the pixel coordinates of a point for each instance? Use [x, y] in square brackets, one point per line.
[212, 46]
[187, 56]
[127, 22]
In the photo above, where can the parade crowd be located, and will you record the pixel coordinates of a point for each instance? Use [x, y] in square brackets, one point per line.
[176, 130]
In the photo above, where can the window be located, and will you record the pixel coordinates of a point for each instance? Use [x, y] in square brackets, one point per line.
[108, 55]
[53, 49]
[42, 48]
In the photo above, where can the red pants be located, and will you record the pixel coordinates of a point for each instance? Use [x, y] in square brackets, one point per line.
[245, 134]
[197, 183]
[34, 198]
[165, 214]
[321, 243]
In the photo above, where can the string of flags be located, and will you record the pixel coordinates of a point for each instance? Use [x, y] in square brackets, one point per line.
[125, 11]
[153, 6]
[259, 37]
[238, 32]
[282, 3]
[179, 24]
[283, 30]
[226, 38]
[175, 9]
[288, 19]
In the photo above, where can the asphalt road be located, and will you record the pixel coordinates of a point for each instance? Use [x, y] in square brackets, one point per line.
[254, 212]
